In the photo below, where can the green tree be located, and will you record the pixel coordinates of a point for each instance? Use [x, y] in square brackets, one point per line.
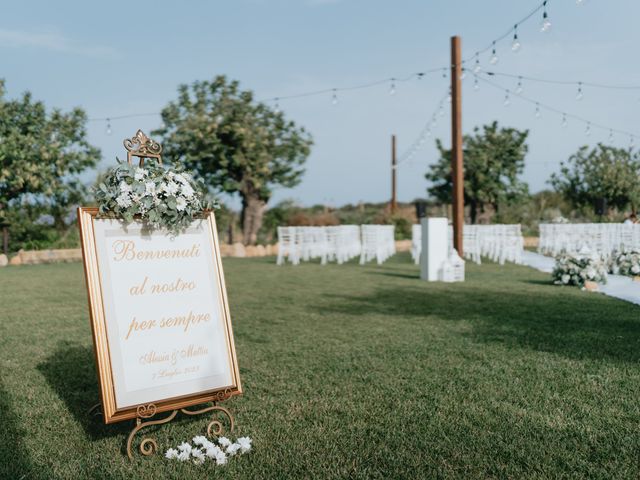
[236, 144]
[493, 160]
[41, 154]
[602, 175]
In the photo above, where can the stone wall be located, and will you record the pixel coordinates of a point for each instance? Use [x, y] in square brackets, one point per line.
[34, 257]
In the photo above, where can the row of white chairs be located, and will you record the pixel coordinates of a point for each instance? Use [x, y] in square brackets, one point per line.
[335, 243]
[501, 243]
[378, 242]
[603, 238]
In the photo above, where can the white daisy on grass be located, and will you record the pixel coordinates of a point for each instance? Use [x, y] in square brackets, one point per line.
[245, 444]
[224, 441]
[212, 451]
[184, 456]
[171, 454]
[221, 458]
[185, 447]
[200, 440]
[198, 456]
[233, 449]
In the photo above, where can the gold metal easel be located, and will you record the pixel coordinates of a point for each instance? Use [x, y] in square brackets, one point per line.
[148, 446]
[142, 147]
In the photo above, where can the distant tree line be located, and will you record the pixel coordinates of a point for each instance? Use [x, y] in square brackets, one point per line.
[598, 183]
[241, 146]
[233, 142]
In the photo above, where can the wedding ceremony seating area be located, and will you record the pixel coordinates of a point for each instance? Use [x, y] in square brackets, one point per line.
[338, 243]
[500, 243]
[601, 238]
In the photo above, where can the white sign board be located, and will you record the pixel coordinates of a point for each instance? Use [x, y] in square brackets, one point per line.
[164, 316]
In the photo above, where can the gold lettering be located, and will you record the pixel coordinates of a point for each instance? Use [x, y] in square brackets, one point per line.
[139, 289]
[123, 250]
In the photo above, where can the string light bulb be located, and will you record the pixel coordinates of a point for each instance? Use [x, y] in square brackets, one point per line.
[519, 88]
[276, 107]
[507, 100]
[476, 67]
[537, 112]
[515, 44]
[545, 25]
[587, 131]
[564, 120]
[108, 129]
[579, 94]
[392, 89]
[610, 137]
[476, 85]
[632, 142]
[494, 56]
[334, 98]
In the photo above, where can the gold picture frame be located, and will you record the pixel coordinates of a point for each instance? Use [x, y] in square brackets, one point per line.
[100, 325]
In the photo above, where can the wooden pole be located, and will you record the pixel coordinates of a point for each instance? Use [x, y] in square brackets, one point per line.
[457, 172]
[394, 164]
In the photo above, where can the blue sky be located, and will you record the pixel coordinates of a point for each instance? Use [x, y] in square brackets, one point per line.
[117, 58]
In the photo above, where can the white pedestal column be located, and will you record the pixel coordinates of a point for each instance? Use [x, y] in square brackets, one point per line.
[435, 247]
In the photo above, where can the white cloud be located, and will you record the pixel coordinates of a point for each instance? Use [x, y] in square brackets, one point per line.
[52, 41]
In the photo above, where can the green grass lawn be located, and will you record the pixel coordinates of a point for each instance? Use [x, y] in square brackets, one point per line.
[349, 372]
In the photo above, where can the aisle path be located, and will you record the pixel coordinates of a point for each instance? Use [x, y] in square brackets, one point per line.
[618, 286]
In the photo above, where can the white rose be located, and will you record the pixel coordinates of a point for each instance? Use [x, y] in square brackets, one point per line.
[140, 174]
[187, 191]
[125, 187]
[565, 278]
[150, 188]
[123, 200]
[635, 269]
[181, 204]
[171, 188]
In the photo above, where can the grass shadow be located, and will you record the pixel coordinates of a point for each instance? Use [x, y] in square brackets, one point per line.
[572, 324]
[16, 462]
[70, 372]
[397, 275]
[546, 283]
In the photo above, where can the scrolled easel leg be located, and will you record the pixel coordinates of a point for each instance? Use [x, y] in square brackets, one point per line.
[215, 427]
[95, 410]
[148, 446]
